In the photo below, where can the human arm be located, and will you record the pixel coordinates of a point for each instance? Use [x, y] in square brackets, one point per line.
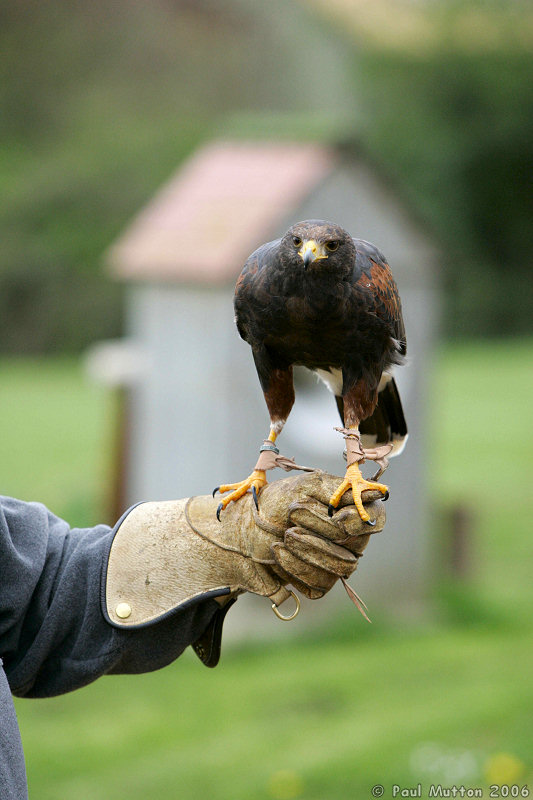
[53, 634]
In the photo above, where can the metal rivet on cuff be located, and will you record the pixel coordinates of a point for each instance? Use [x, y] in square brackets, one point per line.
[123, 610]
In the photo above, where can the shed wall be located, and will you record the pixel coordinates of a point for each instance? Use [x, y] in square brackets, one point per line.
[198, 413]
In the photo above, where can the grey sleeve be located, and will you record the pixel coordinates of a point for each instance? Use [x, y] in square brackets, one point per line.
[53, 635]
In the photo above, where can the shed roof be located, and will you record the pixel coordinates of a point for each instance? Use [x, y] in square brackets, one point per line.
[224, 201]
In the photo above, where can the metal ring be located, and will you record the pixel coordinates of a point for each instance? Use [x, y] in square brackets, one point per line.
[294, 613]
[269, 446]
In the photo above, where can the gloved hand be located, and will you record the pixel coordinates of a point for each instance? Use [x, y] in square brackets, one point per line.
[167, 555]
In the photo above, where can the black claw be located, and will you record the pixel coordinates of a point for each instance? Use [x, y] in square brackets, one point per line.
[254, 495]
[371, 522]
[215, 490]
[331, 509]
[385, 496]
[219, 509]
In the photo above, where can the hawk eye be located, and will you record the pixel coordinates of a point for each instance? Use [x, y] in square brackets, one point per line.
[296, 241]
[332, 246]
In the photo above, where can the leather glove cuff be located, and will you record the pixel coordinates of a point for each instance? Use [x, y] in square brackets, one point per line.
[154, 569]
[126, 605]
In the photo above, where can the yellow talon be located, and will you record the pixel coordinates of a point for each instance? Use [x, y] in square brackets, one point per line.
[255, 481]
[354, 480]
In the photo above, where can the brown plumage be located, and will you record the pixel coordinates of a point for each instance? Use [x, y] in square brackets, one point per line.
[319, 298]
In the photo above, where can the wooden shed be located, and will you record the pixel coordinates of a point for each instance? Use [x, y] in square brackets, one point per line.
[196, 414]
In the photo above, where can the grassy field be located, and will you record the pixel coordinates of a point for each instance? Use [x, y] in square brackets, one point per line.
[327, 715]
[57, 437]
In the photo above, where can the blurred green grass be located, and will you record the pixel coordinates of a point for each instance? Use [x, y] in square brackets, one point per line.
[333, 712]
[57, 436]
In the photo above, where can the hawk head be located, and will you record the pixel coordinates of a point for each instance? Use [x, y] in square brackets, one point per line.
[318, 247]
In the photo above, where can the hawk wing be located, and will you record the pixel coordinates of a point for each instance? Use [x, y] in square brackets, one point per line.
[258, 298]
[252, 293]
[373, 276]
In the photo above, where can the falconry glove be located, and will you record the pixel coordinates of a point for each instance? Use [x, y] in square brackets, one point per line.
[168, 555]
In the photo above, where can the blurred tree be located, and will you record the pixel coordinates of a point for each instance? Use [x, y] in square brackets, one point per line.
[456, 128]
[100, 102]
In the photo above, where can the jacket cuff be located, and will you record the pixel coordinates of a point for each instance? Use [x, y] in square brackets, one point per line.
[207, 646]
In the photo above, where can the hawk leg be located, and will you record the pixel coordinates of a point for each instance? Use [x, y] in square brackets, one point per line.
[255, 481]
[354, 480]
[278, 389]
[353, 411]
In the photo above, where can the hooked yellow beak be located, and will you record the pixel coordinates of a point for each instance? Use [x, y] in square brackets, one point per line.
[311, 251]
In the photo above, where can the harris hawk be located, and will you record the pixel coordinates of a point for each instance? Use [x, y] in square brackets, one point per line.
[317, 297]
